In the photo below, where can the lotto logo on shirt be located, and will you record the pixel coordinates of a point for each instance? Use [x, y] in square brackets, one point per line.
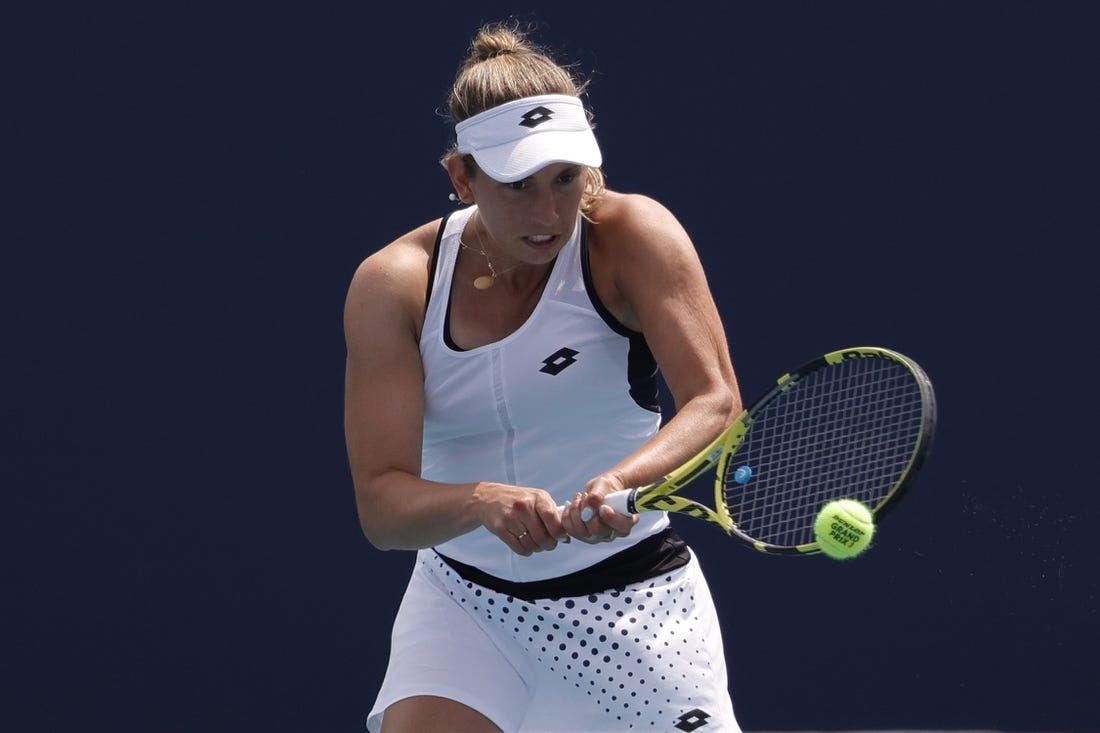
[559, 360]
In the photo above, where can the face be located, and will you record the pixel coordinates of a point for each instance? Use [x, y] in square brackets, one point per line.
[530, 220]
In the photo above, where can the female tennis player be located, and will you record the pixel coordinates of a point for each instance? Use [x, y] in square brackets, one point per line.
[502, 362]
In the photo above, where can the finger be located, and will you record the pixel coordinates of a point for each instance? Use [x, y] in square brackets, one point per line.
[574, 526]
[570, 518]
[519, 540]
[620, 523]
[550, 531]
[537, 538]
[589, 505]
[613, 525]
[607, 525]
[591, 531]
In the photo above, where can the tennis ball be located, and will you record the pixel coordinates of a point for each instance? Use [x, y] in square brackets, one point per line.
[844, 528]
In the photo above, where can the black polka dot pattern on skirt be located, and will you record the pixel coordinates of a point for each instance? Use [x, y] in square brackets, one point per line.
[639, 653]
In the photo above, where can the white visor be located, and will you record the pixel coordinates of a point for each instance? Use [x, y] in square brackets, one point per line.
[515, 139]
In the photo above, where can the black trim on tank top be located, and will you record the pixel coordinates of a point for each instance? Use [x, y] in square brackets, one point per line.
[435, 259]
[641, 367]
[447, 328]
[431, 280]
[653, 556]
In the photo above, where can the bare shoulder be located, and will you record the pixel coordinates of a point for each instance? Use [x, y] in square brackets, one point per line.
[638, 246]
[391, 283]
[405, 258]
[630, 215]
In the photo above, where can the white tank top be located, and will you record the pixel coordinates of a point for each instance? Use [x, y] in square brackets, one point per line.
[558, 401]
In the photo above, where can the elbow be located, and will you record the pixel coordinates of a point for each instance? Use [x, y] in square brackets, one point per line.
[374, 533]
[718, 406]
[378, 543]
[723, 407]
[732, 405]
[723, 403]
[373, 537]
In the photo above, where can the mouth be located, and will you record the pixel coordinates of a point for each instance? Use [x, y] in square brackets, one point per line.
[541, 240]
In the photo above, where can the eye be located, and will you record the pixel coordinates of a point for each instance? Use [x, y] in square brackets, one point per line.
[568, 176]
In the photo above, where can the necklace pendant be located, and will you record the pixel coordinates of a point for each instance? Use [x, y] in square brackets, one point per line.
[484, 282]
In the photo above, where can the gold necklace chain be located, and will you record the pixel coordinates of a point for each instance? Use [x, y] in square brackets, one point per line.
[484, 282]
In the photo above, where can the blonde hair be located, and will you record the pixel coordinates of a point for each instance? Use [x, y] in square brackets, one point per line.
[504, 65]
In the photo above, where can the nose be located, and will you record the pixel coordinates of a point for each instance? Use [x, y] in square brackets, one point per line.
[545, 211]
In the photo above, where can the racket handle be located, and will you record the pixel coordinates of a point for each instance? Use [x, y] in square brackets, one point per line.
[621, 501]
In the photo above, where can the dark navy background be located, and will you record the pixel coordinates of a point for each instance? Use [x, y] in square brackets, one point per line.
[187, 191]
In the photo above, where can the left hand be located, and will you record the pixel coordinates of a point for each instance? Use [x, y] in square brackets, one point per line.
[605, 523]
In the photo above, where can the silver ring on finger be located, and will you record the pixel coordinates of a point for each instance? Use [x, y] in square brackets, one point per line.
[613, 535]
[522, 534]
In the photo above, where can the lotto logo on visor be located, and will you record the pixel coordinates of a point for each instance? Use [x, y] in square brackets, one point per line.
[536, 117]
[516, 139]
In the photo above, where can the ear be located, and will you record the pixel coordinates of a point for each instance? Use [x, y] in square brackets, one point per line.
[460, 178]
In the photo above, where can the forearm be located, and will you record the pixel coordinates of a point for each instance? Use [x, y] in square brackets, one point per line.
[399, 511]
[696, 423]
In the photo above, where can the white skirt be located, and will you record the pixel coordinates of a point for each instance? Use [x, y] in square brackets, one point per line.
[646, 657]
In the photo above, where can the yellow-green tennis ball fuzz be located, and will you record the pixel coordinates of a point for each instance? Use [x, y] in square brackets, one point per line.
[844, 528]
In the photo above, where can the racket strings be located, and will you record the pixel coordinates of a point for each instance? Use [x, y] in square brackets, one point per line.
[846, 431]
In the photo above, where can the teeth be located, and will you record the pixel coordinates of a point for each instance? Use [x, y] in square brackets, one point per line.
[540, 237]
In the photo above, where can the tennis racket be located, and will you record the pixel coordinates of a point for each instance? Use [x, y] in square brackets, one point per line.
[853, 424]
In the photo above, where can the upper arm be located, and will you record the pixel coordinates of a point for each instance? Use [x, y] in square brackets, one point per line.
[383, 395]
[660, 288]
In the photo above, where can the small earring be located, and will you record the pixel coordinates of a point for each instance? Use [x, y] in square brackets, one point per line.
[454, 197]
